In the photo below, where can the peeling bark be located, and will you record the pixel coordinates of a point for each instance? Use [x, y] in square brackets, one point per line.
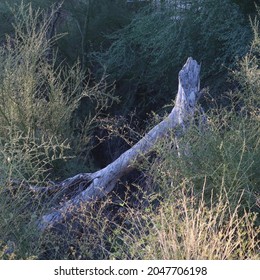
[101, 182]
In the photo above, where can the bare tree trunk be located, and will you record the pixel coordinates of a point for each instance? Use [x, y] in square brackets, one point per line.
[102, 182]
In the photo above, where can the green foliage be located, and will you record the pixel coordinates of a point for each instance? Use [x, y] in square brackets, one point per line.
[248, 7]
[38, 101]
[146, 55]
[224, 158]
[18, 234]
[88, 22]
[224, 154]
[85, 23]
[39, 126]
[248, 72]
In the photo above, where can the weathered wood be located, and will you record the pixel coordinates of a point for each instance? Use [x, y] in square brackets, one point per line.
[103, 181]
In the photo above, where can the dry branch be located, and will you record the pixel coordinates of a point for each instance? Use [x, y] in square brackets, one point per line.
[101, 182]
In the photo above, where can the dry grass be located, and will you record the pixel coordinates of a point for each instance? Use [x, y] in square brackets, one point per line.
[190, 231]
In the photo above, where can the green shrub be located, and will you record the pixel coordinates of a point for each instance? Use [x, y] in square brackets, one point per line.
[146, 55]
[225, 153]
[41, 135]
[39, 100]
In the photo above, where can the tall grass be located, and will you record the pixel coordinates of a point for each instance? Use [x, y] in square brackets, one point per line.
[186, 226]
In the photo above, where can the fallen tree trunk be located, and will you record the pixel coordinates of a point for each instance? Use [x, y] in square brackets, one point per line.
[100, 183]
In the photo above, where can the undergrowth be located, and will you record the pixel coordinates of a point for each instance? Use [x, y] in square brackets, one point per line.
[200, 201]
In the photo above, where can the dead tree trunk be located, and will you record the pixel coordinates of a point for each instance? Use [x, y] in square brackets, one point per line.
[102, 182]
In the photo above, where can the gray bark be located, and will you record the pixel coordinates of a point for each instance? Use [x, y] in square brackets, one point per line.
[101, 182]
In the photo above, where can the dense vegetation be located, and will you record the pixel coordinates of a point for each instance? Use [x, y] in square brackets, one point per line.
[82, 81]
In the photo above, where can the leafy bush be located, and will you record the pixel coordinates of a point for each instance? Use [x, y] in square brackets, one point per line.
[146, 55]
[41, 135]
[85, 23]
[39, 100]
